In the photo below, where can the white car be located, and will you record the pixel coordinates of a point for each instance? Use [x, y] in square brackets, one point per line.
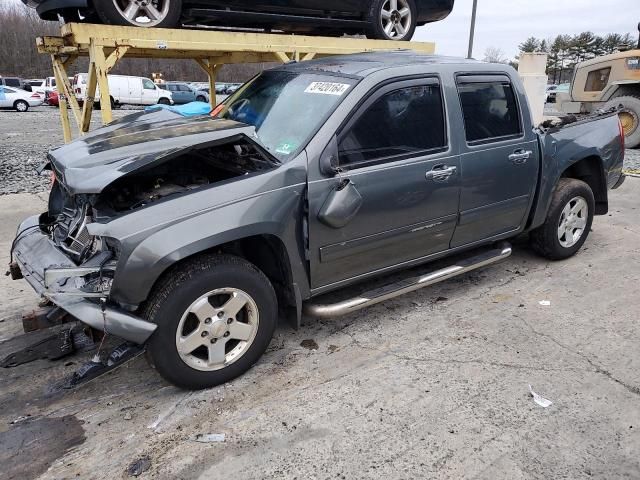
[19, 100]
[125, 90]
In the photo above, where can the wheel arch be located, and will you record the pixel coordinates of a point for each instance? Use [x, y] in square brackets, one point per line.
[591, 171]
[266, 250]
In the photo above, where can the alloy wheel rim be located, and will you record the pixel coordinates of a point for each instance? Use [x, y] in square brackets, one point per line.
[143, 13]
[21, 107]
[573, 222]
[217, 329]
[395, 18]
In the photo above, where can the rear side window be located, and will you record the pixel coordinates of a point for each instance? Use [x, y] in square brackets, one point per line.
[490, 111]
[402, 122]
[597, 80]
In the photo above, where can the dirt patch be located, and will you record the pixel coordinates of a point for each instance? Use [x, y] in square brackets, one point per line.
[29, 447]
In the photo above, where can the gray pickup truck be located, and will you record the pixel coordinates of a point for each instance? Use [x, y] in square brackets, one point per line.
[193, 235]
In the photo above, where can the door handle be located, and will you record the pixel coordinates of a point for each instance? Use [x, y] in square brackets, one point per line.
[520, 157]
[441, 173]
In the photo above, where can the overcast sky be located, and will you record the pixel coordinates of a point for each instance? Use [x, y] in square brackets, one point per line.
[506, 23]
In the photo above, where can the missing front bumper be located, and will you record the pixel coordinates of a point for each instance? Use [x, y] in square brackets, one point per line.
[45, 268]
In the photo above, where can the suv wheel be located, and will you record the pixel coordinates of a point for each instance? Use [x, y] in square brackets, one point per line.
[139, 13]
[216, 315]
[568, 221]
[393, 19]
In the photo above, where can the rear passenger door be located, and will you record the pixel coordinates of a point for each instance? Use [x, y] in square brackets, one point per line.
[394, 151]
[499, 159]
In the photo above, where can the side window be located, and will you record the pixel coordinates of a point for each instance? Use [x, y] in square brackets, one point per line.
[597, 80]
[184, 88]
[148, 84]
[404, 121]
[490, 110]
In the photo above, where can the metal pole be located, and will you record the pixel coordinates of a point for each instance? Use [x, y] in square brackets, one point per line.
[639, 37]
[473, 28]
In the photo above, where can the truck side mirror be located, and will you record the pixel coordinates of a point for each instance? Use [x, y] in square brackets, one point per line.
[329, 158]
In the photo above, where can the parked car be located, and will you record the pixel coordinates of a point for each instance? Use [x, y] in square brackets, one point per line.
[553, 90]
[184, 93]
[51, 98]
[19, 100]
[15, 82]
[125, 90]
[383, 19]
[199, 233]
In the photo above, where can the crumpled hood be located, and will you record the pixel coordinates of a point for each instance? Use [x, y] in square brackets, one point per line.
[95, 160]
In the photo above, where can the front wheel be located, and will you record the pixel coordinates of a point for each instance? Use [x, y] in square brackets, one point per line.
[164, 101]
[140, 13]
[568, 221]
[216, 316]
[393, 19]
[21, 106]
[200, 98]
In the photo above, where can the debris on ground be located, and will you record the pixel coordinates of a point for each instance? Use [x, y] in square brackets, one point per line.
[309, 344]
[139, 466]
[545, 303]
[52, 347]
[208, 438]
[543, 402]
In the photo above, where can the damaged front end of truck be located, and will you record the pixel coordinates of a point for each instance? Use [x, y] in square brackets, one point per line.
[67, 253]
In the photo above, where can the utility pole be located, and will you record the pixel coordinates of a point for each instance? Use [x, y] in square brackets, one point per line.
[473, 28]
[639, 37]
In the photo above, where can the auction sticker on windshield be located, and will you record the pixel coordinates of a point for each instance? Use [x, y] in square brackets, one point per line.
[327, 88]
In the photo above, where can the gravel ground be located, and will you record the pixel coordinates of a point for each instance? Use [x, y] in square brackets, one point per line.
[25, 139]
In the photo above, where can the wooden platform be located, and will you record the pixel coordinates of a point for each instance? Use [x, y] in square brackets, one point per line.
[106, 44]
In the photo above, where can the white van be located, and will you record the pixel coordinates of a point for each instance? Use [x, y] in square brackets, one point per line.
[125, 90]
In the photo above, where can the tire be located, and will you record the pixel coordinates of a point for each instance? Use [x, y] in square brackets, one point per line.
[399, 28]
[21, 106]
[195, 286]
[629, 116]
[547, 239]
[111, 12]
[164, 101]
[200, 98]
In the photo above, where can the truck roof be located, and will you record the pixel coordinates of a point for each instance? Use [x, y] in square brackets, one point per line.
[364, 64]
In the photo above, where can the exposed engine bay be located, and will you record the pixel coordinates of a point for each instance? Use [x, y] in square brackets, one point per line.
[189, 171]
[68, 216]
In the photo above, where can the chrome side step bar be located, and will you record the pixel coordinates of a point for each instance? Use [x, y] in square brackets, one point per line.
[408, 285]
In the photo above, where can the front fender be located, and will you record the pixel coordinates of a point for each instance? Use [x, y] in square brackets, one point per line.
[143, 261]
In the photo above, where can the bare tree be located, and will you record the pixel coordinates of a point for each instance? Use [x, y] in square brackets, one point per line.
[494, 55]
[19, 27]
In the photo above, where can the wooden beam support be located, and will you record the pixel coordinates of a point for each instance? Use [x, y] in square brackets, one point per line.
[106, 44]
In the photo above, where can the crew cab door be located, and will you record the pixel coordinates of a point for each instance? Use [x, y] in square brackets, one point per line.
[499, 159]
[393, 195]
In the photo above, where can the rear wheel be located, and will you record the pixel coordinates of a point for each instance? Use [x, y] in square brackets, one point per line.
[393, 19]
[21, 106]
[629, 118]
[216, 315]
[568, 221]
[140, 13]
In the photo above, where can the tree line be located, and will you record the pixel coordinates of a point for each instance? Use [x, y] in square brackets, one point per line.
[19, 27]
[565, 51]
